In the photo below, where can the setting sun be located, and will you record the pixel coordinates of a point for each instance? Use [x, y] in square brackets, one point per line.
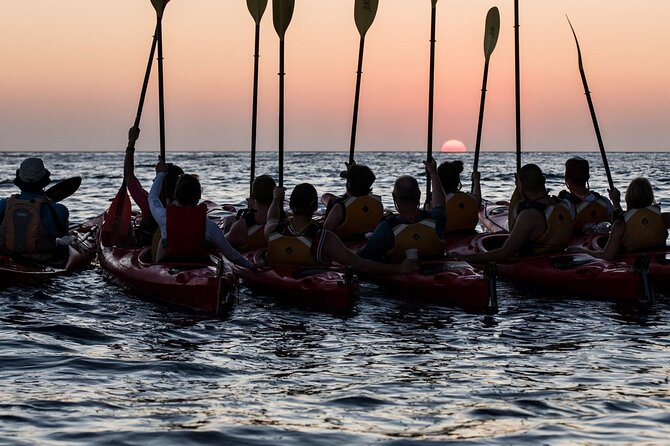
[453, 146]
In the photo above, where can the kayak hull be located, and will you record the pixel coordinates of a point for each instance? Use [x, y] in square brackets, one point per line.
[319, 288]
[81, 251]
[493, 216]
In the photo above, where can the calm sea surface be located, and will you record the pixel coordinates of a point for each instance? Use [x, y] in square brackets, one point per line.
[83, 361]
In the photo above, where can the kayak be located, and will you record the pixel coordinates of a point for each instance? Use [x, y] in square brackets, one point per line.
[493, 215]
[446, 282]
[196, 286]
[206, 287]
[80, 252]
[658, 259]
[320, 288]
[578, 274]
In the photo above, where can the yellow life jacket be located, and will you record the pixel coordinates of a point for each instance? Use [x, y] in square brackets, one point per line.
[361, 215]
[559, 216]
[590, 213]
[462, 210]
[292, 249]
[255, 239]
[421, 236]
[644, 229]
[22, 232]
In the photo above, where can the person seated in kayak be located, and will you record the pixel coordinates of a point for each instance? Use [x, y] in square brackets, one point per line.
[591, 208]
[184, 225]
[544, 223]
[299, 241]
[357, 211]
[461, 208]
[642, 227]
[411, 227]
[247, 233]
[30, 222]
[148, 226]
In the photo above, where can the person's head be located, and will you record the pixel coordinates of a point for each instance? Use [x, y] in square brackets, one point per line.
[31, 176]
[188, 190]
[262, 189]
[531, 179]
[304, 200]
[406, 191]
[639, 194]
[170, 183]
[450, 175]
[359, 180]
[577, 171]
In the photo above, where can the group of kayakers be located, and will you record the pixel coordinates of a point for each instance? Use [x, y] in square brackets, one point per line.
[175, 221]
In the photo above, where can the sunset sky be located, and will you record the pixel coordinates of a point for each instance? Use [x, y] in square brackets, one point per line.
[72, 72]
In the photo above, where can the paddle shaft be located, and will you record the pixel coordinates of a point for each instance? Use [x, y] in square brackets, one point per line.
[147, 74]
[431, 94]
[481, 116]
[517, 85]
[161, 96]
[359, 75]
[281, 112]
[254, 108]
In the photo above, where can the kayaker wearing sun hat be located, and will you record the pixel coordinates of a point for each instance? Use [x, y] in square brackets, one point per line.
[543, 224]
[31, 223]
[357, 211]
[591, 207]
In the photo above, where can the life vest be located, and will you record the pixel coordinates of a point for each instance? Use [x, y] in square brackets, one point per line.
[22, 231]
[255, 232]
[559, 216]
[421, 236]
[361, 215]
[186, 229]
[462, 210]
[286, 247]
[588, 213]
[644, 229]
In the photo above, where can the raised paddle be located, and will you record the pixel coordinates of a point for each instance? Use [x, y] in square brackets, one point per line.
[282, 12]
[159, 5]
[145, 84]
[63, 189]
[592, 109]
[490, 40]
[256, 9]
[364, 14]
[431, 94]
[517, 86]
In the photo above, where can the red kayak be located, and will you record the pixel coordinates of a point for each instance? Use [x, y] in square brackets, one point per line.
[445, 282]
[320, 288]
[493, 215]
[204, 287]
[81, 251]
[580, 274]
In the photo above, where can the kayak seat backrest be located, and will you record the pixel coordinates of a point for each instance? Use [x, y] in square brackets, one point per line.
[490, 242]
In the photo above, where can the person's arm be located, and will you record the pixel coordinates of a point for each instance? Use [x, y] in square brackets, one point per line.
[336, 251]
[274, 211]
[237, 236]
[615, 196]
[613, 242]
[437, 198]
[666, 219]
[129, 160]
[379, 243]
[215, 235]
[334, 218]
[477, 187]
[157, 209]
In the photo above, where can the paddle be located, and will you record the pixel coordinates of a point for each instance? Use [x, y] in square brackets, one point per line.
[517, 86]
[282, 12]
[364, 14]
[490, 40]
[592, 109]
[116, 223]
[431, 93]
[256, 9]
[63, 189]
[159, 6]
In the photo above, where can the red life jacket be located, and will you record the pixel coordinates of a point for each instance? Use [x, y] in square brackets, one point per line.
[186, 228]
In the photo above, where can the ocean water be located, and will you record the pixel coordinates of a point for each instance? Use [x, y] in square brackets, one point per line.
[84, 361]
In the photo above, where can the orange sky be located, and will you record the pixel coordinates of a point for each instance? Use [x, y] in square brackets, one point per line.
[72, 71]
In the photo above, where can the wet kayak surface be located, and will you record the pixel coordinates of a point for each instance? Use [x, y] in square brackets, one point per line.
[84, 361]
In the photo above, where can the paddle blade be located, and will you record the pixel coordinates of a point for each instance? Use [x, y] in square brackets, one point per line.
[282, 12]
[579, 50]
[491, 32]
[257, 8]
[63, 189]
[159, 6]
[434, 3]
[117, 221]
[364, 14]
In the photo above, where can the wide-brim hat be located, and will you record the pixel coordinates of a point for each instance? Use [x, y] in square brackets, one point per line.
[32, 175]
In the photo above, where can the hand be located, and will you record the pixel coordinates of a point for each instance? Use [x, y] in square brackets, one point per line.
[476, 177]
[615, 196]
[408, 266]
[161, 166]
[133, 134]
[279, 192]
[350, 165]
[431, 167]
